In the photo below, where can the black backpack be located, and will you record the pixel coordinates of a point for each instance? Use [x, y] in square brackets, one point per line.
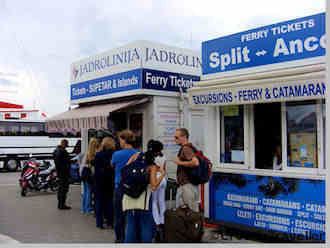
[202, 173]
[86, 175]
[135, 177]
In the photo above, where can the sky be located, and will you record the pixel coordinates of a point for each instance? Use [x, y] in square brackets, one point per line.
[40, 39]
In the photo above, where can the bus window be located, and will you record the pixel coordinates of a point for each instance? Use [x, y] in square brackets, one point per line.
[10, 128]
[63, 134]
[3, 129]
[32, 129]
[13, 129]
[302, 134]
[232, 134]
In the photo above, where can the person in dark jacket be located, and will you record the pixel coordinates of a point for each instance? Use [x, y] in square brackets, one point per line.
[62, 163]
[104, 183]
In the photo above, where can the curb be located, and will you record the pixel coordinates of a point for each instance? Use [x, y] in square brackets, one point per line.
[7, 240]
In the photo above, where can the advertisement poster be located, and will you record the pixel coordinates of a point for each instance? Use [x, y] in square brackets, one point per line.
[303, 150]
[168, 122]
[291, 206]
[231, 111]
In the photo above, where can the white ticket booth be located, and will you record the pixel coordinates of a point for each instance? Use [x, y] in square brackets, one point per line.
[141, 86]
[263, 93]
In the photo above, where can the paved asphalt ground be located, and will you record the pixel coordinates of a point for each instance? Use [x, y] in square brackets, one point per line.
[36, 219]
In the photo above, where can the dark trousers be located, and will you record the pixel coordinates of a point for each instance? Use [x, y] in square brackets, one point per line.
[139, 226]
[103, 208]
[119, 215]
[62, 191]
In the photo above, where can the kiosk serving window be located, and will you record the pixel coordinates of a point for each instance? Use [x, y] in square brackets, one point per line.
[136, 125]
[287, 136]
[267, 130]
[302, 134]
[232, 134]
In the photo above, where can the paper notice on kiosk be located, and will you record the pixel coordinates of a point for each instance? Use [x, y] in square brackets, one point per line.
[237, 156]
[230, 111]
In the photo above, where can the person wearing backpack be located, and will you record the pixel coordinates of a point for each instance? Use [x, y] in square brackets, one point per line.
[86, 174]
[140, 170]
[187, 193]
[103, 183]
[118, 161]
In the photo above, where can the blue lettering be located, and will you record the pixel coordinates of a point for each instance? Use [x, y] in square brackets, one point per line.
[282, 94]
[311, 88]
[291, 92]
[230, 97]
[305, 91]
[213, 98]
[275, 92]
[297, 89]
[318, 90]
[250, 95]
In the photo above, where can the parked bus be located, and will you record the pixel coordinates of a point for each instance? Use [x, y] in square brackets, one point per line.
[22, 134]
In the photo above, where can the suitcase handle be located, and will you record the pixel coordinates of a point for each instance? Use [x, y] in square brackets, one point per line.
[186, 210]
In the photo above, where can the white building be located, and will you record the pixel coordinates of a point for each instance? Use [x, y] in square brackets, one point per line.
[141, 86]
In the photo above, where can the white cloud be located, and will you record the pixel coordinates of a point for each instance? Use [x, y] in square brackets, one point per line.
[40, 39]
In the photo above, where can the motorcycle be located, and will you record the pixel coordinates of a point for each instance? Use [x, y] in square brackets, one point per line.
[36, 176]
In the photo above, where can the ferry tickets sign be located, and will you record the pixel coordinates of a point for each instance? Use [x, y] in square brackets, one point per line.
[295, 207]
[143, 64]
[167, 81]
[266, 92]
[138, 79]
[293, 40]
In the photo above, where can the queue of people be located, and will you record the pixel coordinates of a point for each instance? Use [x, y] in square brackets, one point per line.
[139, 218]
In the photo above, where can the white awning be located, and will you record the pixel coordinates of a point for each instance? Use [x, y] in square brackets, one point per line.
[95, 116]
[259, 89]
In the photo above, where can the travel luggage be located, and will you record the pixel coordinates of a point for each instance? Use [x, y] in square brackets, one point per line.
[182, 225]
[135, 177]
[202, 173]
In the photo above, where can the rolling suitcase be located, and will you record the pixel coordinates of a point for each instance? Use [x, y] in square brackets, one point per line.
[182, 225]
